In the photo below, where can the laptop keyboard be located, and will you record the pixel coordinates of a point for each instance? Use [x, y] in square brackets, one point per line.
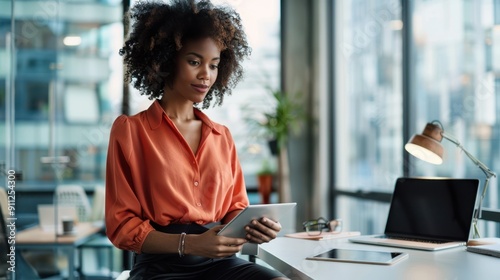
[413, 239]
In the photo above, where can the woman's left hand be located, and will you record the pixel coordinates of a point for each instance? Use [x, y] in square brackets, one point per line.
[262, 230]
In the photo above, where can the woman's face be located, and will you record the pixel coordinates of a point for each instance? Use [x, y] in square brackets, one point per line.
[197, 68]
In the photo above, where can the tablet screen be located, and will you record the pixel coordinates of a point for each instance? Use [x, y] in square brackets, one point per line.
[360, 256]
[276, 212]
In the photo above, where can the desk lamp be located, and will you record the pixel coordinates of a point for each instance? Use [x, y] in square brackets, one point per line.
[427, 147]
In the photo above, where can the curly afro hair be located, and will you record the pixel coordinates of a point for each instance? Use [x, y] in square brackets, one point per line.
[158, 32]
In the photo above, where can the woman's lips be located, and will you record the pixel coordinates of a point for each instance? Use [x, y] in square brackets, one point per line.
[200, 88]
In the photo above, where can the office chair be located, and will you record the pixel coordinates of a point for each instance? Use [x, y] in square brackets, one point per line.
[4, 245]
[101, 242]
[74, 195]
[23, 269]
[4, 202]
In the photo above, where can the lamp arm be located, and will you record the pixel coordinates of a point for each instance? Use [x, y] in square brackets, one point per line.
[487, 172]
[479, 164]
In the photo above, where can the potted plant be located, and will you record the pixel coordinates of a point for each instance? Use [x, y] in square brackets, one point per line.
[276, 123]
[265, 181]
[282, 120]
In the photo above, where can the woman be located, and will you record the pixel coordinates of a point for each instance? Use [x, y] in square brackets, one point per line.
[172, 174]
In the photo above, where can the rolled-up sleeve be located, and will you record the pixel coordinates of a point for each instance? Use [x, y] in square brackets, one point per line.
[124, 225]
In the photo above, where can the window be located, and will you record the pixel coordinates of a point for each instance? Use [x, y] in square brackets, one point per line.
[456, 81]
[453, 61]
[262, 71]
[61, 55]
[368, 98]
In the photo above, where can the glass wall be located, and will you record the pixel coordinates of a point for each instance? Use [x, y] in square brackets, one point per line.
[453, 61]
[252, 97]
[456, 66]
[368, 103]
[58, 79]
[65, 89]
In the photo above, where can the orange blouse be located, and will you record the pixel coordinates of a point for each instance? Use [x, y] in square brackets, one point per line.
[153, 175]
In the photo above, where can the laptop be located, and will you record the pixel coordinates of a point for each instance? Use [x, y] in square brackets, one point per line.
[47, 217]
[428, 214]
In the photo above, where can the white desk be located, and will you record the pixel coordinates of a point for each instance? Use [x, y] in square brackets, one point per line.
[288, 256]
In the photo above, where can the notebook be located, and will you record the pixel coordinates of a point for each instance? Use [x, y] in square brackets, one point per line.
[428, 214]
[487, 249]
[46, 216]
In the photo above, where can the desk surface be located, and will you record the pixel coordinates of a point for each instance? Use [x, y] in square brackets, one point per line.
[37, 238]
[288, 256]
[36, 235]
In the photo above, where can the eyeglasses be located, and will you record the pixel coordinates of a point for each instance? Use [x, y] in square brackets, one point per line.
[316, 227]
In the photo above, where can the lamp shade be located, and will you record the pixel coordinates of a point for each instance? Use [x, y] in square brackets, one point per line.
[427, 146]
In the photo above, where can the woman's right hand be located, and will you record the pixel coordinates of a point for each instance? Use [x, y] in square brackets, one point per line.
[211, 245]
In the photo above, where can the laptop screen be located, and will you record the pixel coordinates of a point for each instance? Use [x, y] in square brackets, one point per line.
[437, 208]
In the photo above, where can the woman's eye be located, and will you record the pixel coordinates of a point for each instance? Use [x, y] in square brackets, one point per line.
[194, 62]
[214, 66]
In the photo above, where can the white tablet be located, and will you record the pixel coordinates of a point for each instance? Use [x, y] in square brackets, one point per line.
[360, 256]
[276, 212]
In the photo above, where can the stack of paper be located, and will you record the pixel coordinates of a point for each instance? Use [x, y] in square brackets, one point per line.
[323, 235]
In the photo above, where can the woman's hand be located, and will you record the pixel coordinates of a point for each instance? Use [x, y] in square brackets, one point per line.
[262, 230]
[211, 245]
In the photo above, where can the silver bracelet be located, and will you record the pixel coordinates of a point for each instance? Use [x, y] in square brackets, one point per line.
[180, 249]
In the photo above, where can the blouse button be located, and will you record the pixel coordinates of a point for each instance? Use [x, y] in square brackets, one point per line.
[198, 204]
[195, 183]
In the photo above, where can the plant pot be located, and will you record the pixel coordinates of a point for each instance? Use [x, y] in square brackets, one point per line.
[265, 187]
[273, 146]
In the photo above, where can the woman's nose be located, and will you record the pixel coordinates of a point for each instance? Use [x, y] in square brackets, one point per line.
[204, 73]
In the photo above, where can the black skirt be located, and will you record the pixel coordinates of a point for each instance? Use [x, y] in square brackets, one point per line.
[171, 266]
